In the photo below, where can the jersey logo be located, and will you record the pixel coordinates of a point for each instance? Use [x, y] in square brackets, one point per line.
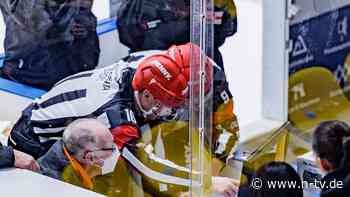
[162, 69]
[109, 80]
[107, 83]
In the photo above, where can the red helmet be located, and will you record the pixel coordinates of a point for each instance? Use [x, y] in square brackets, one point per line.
[182, 55]
[163, 78]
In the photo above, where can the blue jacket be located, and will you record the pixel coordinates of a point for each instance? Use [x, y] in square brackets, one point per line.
[54, 161]
[7, 158]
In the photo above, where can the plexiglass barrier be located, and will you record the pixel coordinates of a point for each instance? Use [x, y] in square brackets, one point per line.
[285, 143]
[200, 107]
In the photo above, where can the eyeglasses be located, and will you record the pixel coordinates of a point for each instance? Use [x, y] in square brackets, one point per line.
[113, 148]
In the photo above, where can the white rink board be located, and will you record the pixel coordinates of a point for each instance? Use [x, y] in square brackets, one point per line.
[18, 183]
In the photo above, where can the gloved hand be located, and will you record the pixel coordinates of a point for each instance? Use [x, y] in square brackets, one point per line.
[225, 129]
[84, 21]
[79, 31]
[226, 136]
[230, 125]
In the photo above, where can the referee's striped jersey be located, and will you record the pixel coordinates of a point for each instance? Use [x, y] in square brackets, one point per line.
[105, 94]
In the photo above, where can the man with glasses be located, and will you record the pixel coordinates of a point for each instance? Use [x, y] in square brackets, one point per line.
[81, 154]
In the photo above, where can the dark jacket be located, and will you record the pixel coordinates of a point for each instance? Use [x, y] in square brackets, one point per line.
[54, 161]
[158, 24]
[47, 40]
[7, 158]
[342, 176]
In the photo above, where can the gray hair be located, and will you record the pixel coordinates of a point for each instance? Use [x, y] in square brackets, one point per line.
[78, 134]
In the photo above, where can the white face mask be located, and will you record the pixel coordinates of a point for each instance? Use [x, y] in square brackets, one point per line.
[110, 163]
[165, 111]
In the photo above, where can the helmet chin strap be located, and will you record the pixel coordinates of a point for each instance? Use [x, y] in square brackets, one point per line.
[145, 113]
[160, 110]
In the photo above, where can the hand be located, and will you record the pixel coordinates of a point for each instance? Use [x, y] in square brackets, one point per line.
[225, 137]
[230, 125]
[25, 161]
[79, 31]
[224, 186]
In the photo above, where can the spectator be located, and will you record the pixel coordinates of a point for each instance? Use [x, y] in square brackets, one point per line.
[276, 171]
[86, 143]
[47, 40]
[158, 24]
[331, 143]
[13, 158]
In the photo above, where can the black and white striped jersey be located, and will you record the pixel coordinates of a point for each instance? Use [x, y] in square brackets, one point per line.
[105, 94]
